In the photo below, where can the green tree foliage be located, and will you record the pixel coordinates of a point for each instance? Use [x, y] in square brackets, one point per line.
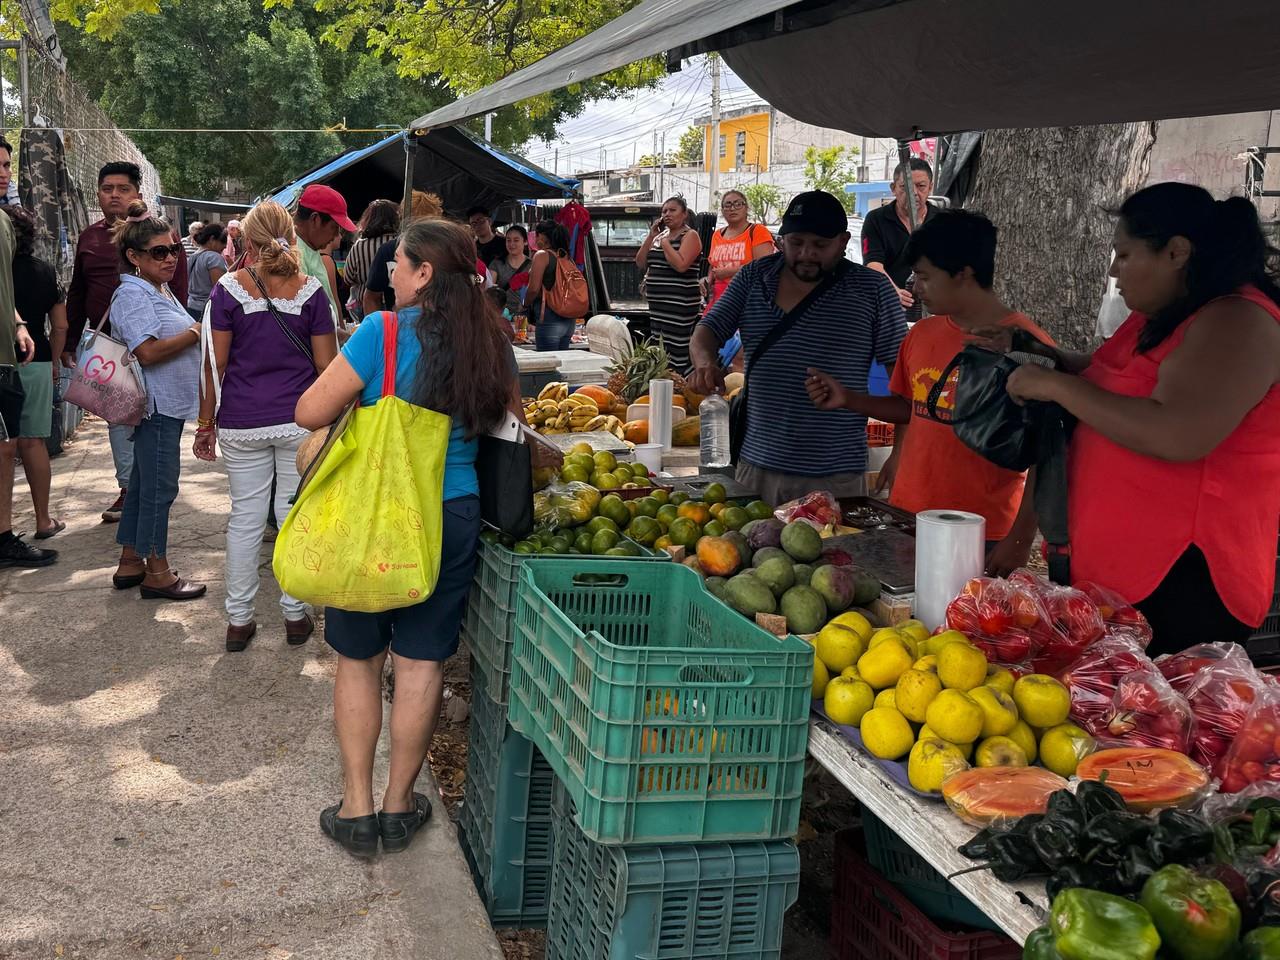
[692, 147]
[228, 64]
[826, 169]
[765, 200]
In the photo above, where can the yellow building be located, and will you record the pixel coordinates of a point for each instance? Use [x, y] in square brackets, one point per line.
[744, 141]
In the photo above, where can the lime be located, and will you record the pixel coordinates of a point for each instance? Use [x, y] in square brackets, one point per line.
[581, 447]
[640, 470]
[714, 493]
[648, 507]
[734, 518]
[604, 540]
[684, 532]
[582, 542]
[605, 481]
[662, 543]
[713, 529]
[618, 552]
[525, 547]
[583, 460]
[615, 508]
[574, 474]
[644, 529]
[489, 536]
[662, 495]
[605, 461]
[666, 512]
[642, 482]
[596, 524]
[560, 544]
[678, 497]
[549, 551]
[629, 548]
[624, 475]
[759, 510]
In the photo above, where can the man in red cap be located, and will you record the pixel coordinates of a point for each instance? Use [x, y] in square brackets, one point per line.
[320, 217]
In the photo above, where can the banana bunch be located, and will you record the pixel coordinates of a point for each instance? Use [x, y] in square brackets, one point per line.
[541, 412]
[556, 391]
[609, 423]
[573, 414]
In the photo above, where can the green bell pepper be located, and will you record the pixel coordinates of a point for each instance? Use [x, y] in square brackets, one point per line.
[1262, 943]
[1092, 925]
[1039, 945]
[1196, 916]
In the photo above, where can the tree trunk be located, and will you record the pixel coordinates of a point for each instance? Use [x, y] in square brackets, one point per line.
[1048, 191]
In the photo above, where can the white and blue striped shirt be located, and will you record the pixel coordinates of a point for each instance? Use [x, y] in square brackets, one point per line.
[855, 321]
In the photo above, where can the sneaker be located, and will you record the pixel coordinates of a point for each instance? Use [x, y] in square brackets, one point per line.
[16, 552]
[112, 513]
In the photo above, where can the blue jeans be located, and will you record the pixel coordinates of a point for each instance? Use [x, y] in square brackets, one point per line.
[120, 435]
[552, 332]
[153, 485]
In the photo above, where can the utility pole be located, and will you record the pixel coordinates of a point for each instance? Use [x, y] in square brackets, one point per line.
[714, 178]
[488, 126]
[662, 170]
[556, 163]
[657, 162]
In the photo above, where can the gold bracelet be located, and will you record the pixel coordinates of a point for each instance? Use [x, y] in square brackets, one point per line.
[202, 423]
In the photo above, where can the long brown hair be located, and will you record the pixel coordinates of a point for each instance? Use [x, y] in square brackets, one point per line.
[465, 368]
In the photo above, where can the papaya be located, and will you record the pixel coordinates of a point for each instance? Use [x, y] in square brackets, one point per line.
[602, 396]
[687, 433]
[1149, 778]
[637, 431]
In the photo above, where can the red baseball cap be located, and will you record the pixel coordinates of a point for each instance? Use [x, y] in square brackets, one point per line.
[324, 199]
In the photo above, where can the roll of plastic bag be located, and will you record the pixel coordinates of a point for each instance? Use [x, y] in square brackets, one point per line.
[950, 551]
[660, 400]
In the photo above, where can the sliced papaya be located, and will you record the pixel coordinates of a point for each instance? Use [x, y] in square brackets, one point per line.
[1149, 778]
[986, 795]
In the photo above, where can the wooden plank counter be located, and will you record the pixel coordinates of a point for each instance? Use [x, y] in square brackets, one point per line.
[930, 828]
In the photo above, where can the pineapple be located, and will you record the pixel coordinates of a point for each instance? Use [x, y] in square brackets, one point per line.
[629, 377]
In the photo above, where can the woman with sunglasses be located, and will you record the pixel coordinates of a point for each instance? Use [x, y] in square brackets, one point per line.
[158, 330]
[734, 245]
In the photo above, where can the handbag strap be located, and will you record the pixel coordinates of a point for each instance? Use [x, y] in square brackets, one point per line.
[390, 334]
[280, 320]
[792, 316]
[935, 392]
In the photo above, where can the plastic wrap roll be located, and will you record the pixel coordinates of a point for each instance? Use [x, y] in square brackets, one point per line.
[950, 551]
[660, 399]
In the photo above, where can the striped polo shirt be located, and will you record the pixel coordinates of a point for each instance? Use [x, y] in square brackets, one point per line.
[855, 321]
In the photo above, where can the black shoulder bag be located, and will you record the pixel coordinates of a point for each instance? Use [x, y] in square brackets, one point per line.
[1014, 436]
[738, 406]
[287, 330]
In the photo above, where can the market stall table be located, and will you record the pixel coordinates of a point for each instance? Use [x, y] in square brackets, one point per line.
[931, 829]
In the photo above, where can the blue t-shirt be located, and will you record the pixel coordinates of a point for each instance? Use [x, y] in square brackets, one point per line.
[364, 352]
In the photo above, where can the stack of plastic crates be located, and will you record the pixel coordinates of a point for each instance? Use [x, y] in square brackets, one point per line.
[677, 731]
[505, 821]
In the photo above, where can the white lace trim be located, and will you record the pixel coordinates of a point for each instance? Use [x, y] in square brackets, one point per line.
[277, 431]
[252, 304]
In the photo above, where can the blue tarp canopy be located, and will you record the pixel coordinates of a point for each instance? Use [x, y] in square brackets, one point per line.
[463, 169]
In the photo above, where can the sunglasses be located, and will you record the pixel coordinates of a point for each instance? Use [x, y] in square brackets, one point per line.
[163, 252]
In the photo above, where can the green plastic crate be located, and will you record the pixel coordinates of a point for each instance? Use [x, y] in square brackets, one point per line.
[489, 621]
[917, 879]
[676, 902]
[505, 819]
[670, 717]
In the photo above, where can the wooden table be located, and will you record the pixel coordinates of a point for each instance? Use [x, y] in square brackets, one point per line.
[930, 828]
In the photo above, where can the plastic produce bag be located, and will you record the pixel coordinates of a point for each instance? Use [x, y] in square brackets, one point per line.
[1074, 621]
[984, 796]
[1118, 614]
[1221, 696]
[1007, 622]
[1180, 669]
[1254, 754]
[819, 509]
[1120, 697]
[565, 504]
[1148, 778]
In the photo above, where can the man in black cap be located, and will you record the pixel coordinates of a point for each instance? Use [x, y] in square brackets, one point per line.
[805, 307]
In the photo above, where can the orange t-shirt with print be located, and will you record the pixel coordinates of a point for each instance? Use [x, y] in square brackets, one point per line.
[935, 470]
[733, 252]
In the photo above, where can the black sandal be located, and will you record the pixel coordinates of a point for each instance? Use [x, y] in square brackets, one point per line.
[359, 835]
[398, 828]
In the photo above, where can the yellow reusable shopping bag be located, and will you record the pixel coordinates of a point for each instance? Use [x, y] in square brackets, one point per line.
[364, 533]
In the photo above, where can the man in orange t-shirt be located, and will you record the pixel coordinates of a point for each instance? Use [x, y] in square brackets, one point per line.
[953, 256]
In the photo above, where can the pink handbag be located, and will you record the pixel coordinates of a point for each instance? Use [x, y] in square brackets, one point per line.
[107, 381]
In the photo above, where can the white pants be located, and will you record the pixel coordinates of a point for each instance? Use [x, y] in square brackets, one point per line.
[251, 467]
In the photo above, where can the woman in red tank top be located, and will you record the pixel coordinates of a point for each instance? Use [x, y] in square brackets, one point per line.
[1174, 467]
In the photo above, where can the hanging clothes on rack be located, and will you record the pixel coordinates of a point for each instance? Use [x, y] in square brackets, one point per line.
[47, 190]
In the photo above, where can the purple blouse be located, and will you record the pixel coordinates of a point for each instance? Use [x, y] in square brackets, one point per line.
[266, 373]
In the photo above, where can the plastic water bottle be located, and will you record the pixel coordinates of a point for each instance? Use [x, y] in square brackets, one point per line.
[714, 432]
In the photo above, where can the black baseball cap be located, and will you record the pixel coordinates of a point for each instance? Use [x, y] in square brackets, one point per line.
[816, 212]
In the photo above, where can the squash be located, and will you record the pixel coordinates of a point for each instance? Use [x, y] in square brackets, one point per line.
[603, 397]
[636, 431]
[686, 433]
[734, 381]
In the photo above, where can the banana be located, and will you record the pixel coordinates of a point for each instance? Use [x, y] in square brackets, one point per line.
[557, 390]
[597, 423]
[619, 433]
[579, 424]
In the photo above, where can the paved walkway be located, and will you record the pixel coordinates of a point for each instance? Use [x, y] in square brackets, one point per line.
[158, 796]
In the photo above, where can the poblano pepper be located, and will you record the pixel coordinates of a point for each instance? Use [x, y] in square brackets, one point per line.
[1106, 838]
[1063, 805]
[1039, 945]
[1180, 838]
[1196, 916]
[1091, 925]
[1055, 840]
[1262, 943]
[1095, 797]
[1079, 875]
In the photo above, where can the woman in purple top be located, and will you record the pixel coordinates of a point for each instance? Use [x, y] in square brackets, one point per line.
[271, 331]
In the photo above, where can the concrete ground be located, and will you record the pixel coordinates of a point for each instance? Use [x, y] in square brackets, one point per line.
[159, 797]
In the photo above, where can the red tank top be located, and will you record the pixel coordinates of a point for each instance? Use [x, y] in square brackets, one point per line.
[1132, 516]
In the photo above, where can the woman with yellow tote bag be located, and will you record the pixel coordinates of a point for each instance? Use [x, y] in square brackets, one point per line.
[442, 374]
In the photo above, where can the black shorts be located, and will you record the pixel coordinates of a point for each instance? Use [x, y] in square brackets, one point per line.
[11, 397]
[427, 630]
